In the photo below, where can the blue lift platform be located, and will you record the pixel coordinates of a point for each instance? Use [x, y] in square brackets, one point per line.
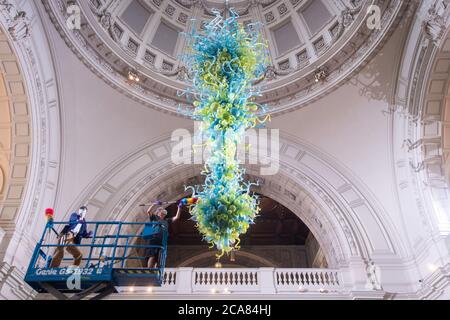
[115, 256]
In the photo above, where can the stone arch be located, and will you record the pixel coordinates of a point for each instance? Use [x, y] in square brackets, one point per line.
[15, 138]
[346, 220]
[432, 147]
[36, 121]
[421, 122]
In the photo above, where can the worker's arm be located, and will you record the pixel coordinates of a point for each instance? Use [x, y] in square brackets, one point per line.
[149, 210]
[177, 216]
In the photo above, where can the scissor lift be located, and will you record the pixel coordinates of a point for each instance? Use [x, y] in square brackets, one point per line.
[113, 257]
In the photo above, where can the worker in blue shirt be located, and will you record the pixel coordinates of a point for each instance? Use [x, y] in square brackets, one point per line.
[159, 216]
[71, 235]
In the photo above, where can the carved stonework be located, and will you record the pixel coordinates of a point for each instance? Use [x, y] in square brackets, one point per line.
[272, 72]
[132, 46]
[150, 57]
[170, 10]
[181, 73]
[269, 17]
[183, 18]
[282, 9]
[18, 24]
[373, 277]
[345, 21]
[436, 21]
[117, 32]
[109, 63]
[105, 20]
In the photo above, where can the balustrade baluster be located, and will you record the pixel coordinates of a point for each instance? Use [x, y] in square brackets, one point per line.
[286, 279]
[297, 282]
[291, 278]
[332, 278]
[327, 278]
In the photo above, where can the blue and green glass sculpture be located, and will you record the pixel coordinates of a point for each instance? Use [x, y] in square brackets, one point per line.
[224, 62]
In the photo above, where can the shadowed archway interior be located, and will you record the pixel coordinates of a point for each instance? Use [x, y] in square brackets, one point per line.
[278, 238]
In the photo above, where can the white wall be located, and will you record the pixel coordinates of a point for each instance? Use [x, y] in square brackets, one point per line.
[99, 124]
[352, 126]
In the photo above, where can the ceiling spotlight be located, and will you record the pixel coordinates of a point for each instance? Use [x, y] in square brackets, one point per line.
[213, 290]
[149, 289]
[133, 76]
[432, 267]
[131, 289]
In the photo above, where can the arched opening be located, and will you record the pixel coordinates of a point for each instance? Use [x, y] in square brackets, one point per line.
[325, 201]
[15, 140]
[279, 238]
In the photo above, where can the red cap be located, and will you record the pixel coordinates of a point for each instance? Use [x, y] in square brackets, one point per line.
[49, 211]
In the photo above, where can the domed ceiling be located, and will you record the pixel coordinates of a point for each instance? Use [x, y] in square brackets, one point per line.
[314, 44]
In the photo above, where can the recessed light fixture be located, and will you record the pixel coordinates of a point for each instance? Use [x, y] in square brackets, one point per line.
[133, 76]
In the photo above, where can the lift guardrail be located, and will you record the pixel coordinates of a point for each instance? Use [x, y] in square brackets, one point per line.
[116, 255]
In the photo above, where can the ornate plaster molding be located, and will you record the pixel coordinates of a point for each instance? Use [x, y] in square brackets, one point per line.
[285, 86]
[40, 106]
